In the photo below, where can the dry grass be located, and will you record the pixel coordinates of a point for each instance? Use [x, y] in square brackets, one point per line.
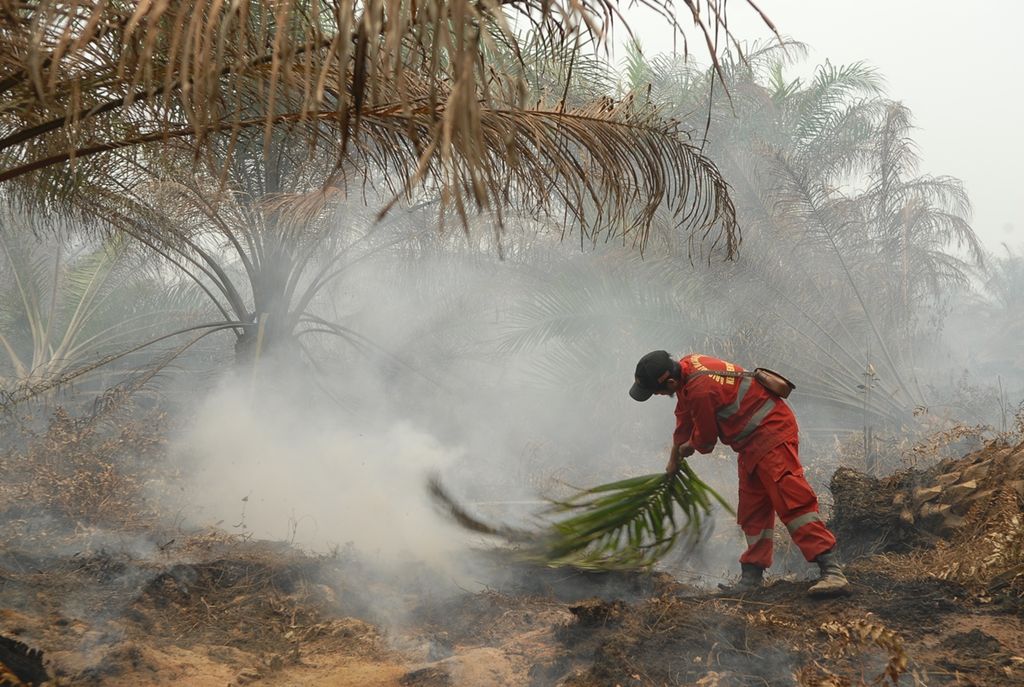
[985, 551]
[243, 593]
[988, 554]
[920, 446]
[848, 638]
[83, 474]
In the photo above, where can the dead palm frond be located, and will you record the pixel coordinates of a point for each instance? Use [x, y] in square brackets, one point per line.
[82, 61]
[608, 167]
[409, 84]
[249, 225]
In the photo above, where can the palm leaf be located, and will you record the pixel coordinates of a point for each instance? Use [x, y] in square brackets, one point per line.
[624, 525]
[413, 86]
[628, 524]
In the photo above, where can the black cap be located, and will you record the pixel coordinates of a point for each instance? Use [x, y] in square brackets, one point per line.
[651, 374]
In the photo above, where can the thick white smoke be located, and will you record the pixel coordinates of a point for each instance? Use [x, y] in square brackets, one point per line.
[311, 479]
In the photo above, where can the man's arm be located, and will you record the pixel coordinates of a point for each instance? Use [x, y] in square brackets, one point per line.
[677, 453]
[681, 446]
[705, 424]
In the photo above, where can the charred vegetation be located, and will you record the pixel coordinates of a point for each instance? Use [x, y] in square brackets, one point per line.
[265, 266]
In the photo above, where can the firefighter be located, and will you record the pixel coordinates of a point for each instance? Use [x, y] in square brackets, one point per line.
[762, 429]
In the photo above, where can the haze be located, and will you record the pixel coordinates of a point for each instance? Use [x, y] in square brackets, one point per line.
[957, 66]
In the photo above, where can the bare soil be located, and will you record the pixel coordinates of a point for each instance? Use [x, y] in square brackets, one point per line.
[931, 606]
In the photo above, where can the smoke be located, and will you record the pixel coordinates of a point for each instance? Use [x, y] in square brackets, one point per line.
[277, 468]
[268, 454]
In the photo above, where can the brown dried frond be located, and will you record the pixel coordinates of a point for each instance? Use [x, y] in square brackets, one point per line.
[608, 167]
[83, 474]
[816, 675]
[989, 554]
[851, 637]
[934, 446]
[388, 80]
[974, 507]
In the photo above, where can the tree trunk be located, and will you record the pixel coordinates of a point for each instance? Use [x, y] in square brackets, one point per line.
[268, 338]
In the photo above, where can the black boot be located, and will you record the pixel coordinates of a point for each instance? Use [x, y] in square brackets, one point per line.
[751, 578]
[832, 582]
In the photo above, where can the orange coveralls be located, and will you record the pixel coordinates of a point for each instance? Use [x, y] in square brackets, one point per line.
[762, 429]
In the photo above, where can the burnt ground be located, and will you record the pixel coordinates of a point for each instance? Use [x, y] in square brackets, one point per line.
[246, 612]
[141, 605]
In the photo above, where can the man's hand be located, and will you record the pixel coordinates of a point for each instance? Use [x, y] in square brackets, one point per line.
[677, 453]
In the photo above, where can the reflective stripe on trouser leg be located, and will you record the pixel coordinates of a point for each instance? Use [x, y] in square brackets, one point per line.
[810, 534]
[801, 520]
[794, 500]
[757, 518]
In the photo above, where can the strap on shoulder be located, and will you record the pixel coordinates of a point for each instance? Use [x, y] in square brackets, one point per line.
[722, 373]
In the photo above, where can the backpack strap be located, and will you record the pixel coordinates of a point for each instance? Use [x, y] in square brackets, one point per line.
[769, 379]
[723, 373]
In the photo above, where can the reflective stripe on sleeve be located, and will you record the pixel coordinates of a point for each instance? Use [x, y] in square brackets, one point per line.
[801, 520]
[754, 538]
[728, 411]
[755, 421]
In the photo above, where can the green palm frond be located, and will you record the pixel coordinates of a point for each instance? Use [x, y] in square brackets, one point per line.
[832, 89]
[65, 305]
[629, 524]
[638, 72]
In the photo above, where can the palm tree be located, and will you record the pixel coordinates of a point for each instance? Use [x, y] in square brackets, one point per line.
[915, 220]
[409, 88]
[111, 110]
[248, 218]
[70, 307]
[996, 313]
[852, 247]
[253, 231]
[846, 254]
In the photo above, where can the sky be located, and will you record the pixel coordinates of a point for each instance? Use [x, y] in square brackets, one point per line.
[957, 66]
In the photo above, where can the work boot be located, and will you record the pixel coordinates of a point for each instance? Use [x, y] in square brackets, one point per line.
[832, 581]
[751, 578]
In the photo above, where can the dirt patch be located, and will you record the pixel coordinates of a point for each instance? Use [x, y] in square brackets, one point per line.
[254, 613]
[518, 578]
[672, 640]
[976, 653]
[235, 609]
[933, 604]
